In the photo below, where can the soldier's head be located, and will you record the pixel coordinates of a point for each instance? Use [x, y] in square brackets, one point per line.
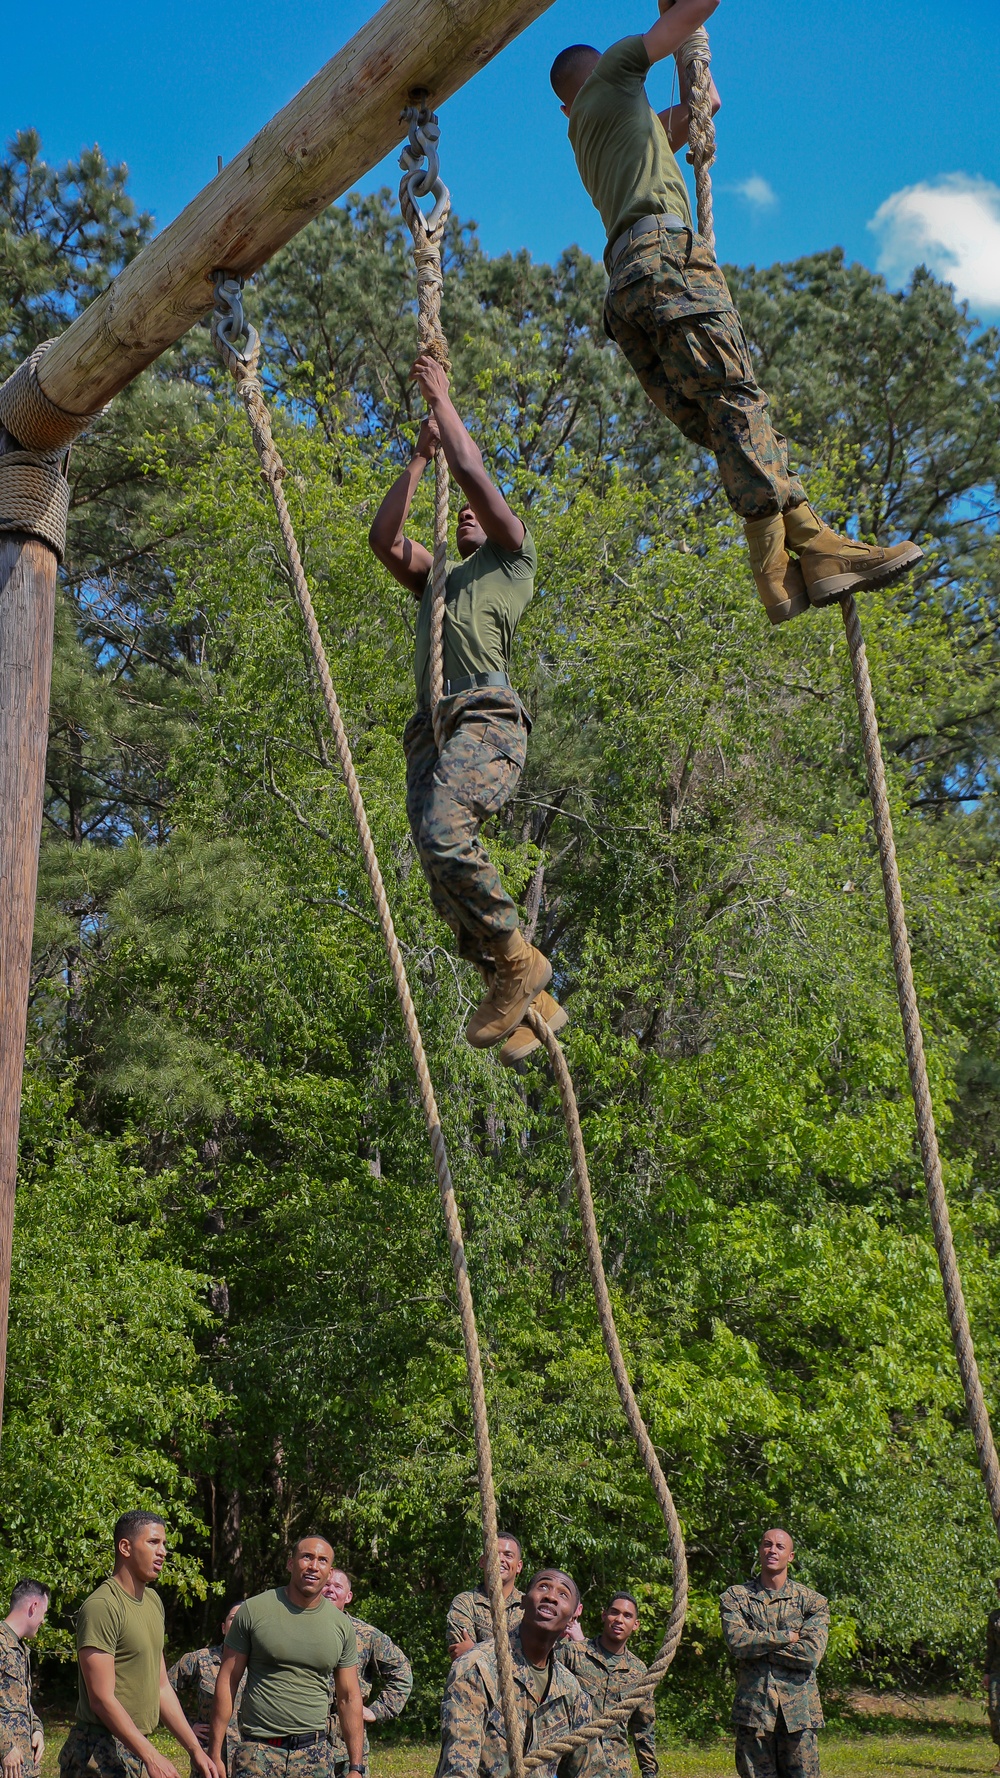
[469, 535]
[338, 1589]
[140, 1545]
[29, 1602]
[227, 1622]
[620, 1620]
[776, 1553]
[571, 70]
[550, 1604]
[309, 1563]
[511, 1560]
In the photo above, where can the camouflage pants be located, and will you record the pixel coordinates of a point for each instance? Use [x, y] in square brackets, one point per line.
[670, 311]
[777, 1753]
[254, 1759]
[88, 1749]
[993, 1705]
[449, 796]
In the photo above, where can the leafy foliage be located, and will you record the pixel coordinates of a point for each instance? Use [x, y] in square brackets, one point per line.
[256, 1326]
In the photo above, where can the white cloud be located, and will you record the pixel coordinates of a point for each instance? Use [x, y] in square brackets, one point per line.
[953, 227]
[757, 192]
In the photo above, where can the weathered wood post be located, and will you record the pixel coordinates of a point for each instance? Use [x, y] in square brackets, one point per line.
[340, 125]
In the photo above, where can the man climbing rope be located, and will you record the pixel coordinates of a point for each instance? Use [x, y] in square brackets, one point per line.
[484, 724]
[669, 309]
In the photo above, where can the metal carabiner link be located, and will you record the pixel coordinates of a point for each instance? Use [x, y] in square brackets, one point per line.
[229, 323]
[424, 181]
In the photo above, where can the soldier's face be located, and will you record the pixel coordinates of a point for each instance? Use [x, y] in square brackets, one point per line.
[510, 1559]
[309, 1566]
[146, 1552]
[776, 1551]
[620, 1619]
[470, 535]
[338, 1589]
[550, 1602]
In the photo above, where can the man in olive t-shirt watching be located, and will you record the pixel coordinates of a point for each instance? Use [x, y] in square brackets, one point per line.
[669, 309]
[124, 1689]
[290, 1642]
[485, 728]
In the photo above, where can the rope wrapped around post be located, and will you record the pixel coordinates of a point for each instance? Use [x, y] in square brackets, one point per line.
[35, 436]
[958, 1315]
[694, 58]
[227, 327]
[428, 237]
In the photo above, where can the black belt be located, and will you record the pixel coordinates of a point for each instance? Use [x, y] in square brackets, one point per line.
[647, 225]
[476, 682]
[309, 1740]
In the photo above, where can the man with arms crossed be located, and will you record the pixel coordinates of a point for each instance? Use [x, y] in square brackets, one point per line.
[21, 1739]
[290, 1642]
[124, 1689]
[469, 1617]
[607, 1669]
[485, 726]
[551, 1703]
[669, 309]
[776, 1632]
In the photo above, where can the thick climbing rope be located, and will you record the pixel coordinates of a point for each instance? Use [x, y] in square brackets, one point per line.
[428, 232]
[958, 1315]
[695, 58]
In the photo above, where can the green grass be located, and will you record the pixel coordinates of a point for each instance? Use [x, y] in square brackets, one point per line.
[908, 1738]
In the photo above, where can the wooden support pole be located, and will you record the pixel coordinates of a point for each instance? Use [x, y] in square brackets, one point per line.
[27, 610]
[326, 138]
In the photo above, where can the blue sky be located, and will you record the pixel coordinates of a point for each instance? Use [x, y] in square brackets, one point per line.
[833, 114]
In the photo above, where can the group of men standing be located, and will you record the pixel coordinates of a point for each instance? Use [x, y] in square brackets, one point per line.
[288, 1693]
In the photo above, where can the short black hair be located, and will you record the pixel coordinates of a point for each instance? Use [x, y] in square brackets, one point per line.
[508, 1537]
[134, 1521]
[311, 1537]
[28, 1589]
[565, 70]
[562, 1576]
[622, 1594]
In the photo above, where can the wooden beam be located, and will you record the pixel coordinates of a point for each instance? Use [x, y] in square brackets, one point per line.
[27, 609]
[334, 131]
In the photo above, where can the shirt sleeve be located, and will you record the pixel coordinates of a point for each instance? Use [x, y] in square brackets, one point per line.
[586, 1761]
[744, 1641]
[98, 1624]
[396, 1675]
[810, 1648]
[184, 1671]
[642, 1728]
[461, 1621]
[463, 1717]
[349, 1652]
[239, 1633]
[625, 64]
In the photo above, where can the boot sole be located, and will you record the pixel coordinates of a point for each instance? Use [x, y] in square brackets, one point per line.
[481, 1040]
[780, 614]
[834, 587]
[524, 1040]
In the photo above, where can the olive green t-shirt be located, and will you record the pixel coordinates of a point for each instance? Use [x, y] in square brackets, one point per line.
[292, 1651]
[485, 597]
[621, 147]
[132, 1631]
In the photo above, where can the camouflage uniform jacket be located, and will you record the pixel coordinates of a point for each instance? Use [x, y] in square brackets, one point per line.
[605, 1678]
[469, 1615]
[473, 1741]
[379, 1662]
[18, 1721]
[198, 1672]
[993, 1642]
[772, 1673]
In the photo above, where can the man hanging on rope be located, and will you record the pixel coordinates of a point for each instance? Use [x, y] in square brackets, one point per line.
[449, 795]
[669, 309]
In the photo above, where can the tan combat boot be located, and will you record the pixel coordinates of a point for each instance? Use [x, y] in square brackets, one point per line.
[521, 974]
[524, 1040]
[779, 579]
[834, 566]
